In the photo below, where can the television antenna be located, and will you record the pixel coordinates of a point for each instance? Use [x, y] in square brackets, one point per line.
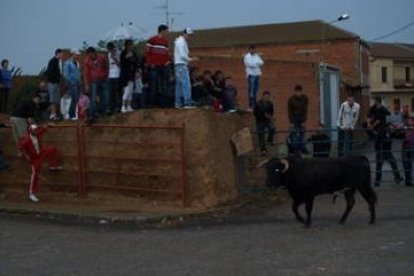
[169, 15]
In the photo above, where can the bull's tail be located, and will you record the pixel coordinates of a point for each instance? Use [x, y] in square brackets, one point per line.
[366, 189]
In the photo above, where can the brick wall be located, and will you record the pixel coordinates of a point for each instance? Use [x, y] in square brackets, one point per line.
[279, 77]
[341, 53]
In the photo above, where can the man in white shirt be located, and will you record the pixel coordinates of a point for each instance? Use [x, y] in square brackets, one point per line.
[183, 98]
[253, 62]
[347, 118]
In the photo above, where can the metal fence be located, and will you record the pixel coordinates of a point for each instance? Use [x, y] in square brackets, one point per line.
[148, 160]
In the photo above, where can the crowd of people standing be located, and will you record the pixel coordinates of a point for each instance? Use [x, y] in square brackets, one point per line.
[117, 81]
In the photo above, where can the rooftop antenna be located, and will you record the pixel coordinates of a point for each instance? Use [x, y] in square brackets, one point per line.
[168, 19]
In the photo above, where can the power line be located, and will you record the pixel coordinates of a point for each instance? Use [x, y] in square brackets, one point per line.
[394, 32]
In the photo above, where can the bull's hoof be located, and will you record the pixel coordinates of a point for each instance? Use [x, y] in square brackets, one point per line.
[300, 219]
[371, 222]
[341, 222]
[307, 225]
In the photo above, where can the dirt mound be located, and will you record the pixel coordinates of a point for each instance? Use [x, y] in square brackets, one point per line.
[143, 158]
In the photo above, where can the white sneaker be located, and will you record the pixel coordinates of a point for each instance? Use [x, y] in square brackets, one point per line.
[124, 110]
[129, 109]
[74, 119]
[33, 198]
[189, 107]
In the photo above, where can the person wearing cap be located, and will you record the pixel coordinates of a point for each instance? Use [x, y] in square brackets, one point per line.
[33, 149]
[23, 114]
[72, 76]
[53, 74]
[252, 63]
[157, 58]
[182, 57]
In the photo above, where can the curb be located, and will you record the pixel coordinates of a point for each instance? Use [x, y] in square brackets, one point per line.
[103, 219]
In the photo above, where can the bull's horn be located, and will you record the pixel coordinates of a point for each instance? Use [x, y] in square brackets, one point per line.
[262, 163]
[286, 163]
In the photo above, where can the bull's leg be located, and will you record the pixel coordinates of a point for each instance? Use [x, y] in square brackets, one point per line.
[350, 202]
[371, 197]
[295, 206]
[309, 207]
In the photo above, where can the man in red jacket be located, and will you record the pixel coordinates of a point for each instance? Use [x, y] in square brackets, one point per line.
[95, 72]
[32, 147]
[157, 57]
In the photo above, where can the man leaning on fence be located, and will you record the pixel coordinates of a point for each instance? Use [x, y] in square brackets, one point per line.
[377, 122]
[263, 112]
[298, 114]
[347, 119]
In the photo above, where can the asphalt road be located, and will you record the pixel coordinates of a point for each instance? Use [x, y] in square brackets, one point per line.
[258, 241]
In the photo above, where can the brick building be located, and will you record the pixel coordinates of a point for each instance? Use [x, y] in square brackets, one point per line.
[293, 53]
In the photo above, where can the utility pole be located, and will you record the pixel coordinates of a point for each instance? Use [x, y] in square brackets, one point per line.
[168, 19]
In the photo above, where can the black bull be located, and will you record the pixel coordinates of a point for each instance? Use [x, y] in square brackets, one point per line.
[307, 178]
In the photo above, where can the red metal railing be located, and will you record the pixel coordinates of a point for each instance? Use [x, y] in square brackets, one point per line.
[177, 183]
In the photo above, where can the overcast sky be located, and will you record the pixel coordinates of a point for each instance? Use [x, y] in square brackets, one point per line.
[31, 29]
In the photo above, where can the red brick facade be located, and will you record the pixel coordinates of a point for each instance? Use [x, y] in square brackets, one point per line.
[279, 77]
[292, 63]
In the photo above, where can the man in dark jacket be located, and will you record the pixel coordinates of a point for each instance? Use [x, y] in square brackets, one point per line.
[298, 113]
[263, 112]
[53, 74]
[377, 121]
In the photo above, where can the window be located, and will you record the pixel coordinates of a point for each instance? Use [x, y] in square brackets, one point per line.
[397, 103]
[384, 74]
[407, 74]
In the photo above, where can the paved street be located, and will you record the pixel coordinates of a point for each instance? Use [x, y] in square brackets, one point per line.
[261, 241]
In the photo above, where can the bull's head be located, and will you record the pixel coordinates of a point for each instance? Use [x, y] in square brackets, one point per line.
[275, 169]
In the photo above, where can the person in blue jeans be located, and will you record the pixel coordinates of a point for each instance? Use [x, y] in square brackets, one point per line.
[96, 73]
[72, 76]
[183, 97]
[253, 62]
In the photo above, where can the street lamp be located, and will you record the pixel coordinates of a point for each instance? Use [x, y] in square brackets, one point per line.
[327, 110]
[343, 17]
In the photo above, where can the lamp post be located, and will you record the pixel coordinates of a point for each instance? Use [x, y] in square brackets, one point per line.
[327, 111]
[343, 17]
